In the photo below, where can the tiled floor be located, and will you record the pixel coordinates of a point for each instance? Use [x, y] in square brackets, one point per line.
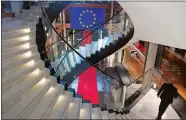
[148, 106]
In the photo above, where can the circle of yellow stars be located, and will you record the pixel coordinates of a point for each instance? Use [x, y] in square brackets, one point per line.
[94, 17]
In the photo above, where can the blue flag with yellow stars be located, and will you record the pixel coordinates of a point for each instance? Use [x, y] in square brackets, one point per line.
[86, 18]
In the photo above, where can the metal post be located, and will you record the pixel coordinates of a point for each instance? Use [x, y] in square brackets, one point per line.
[54, 39]
[64, 28]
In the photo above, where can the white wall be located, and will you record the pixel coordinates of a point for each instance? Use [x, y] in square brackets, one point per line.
[158, 22]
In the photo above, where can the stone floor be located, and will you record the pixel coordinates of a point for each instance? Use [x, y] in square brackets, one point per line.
[148, 106]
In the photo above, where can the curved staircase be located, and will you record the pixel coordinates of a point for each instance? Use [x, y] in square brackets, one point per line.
[28, 89]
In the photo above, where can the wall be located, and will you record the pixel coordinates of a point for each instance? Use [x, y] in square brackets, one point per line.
[158, 22]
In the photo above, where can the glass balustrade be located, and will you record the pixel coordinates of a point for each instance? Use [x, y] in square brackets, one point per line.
[67, 61]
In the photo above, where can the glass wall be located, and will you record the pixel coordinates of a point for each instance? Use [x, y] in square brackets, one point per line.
[173, 67]
[133, 58]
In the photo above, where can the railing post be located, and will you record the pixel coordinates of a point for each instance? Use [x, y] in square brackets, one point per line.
[64, 28]
[54, 39]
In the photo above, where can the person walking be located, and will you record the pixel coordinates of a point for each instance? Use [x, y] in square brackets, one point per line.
[166, 93]
[40, 36]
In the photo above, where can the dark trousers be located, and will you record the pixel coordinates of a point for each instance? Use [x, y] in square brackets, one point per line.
[163, 106]
[41, 48]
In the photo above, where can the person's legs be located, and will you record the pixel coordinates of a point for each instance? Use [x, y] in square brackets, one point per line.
[163, 106]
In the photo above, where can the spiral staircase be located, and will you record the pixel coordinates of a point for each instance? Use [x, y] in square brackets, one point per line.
[28, 89]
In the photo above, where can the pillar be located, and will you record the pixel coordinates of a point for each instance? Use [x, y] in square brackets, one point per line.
[111, 61]
[64, 28]
[149, 63]
[61, 20]
[111, 15]
[110, 58]
[119, 56]
[54, 39]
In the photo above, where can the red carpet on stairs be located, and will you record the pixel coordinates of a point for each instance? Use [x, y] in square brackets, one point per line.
[87, 84]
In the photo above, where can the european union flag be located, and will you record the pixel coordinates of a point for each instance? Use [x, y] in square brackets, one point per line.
[86, 18]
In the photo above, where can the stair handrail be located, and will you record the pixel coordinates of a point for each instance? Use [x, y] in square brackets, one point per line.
[78, 43]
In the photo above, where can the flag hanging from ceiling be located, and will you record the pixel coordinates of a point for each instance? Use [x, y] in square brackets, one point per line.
[86, 18]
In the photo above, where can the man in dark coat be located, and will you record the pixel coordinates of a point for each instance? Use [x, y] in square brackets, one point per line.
[166, 93]
[40, 36]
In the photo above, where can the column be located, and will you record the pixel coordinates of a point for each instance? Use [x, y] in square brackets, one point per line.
[61, 20]
[54, 39]
[110, 58]
[111, 15]
[64, 28]
[119, 55]
[149, 63]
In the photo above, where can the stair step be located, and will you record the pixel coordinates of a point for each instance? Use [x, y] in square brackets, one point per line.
[16, 44]
[10, 97]
[24, 56]
[94, 47]
[19, 39]
[19, 30]
[110, 40]
[85, 112]
[61, 106]
[29, 99]
[124, 116]
[83, 51]
[13, 36]
[74, 109]
[105, 115]
[135, 116]
[128, 116]
[131, 116]
[118, 116]
[44, 106]
[112, 116]
[96, 113]
[9, 79]
[100, 44]
[105, 41]
[88, 50]
[15, 52]
[12, 66]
